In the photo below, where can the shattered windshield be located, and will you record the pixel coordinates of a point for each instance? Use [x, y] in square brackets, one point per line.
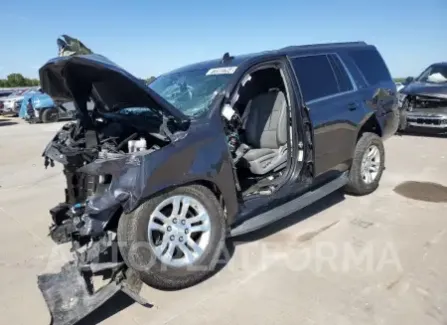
[192, 92]
[434, 74]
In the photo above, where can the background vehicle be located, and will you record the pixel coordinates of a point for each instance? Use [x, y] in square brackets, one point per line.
[12, 103]
[423, 101]
[5, 93]
[37, 107]
[211, 150]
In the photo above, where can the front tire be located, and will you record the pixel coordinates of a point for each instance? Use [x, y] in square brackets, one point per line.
[368, 164]
[50, 115]
[174, 240]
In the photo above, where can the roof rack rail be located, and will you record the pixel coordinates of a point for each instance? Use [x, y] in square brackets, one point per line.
[322, 45]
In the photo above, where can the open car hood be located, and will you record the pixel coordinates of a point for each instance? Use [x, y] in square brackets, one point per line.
[78, 77]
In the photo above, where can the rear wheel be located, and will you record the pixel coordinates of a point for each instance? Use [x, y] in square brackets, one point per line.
[50, 115]
[367, 166]
[174, 240]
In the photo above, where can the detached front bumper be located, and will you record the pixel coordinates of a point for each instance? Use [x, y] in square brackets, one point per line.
[70, 294]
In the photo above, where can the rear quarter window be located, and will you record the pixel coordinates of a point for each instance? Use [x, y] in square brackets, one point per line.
[371, 65]
[344, 83]
[315, 76]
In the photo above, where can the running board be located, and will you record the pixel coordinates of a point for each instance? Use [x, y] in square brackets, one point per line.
[288, 208]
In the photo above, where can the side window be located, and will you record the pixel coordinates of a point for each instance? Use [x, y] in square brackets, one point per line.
[344, 83]
[371, 65]
[315, 76]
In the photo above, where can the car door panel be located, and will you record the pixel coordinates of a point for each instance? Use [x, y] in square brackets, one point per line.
[335, 117]
[334, 130]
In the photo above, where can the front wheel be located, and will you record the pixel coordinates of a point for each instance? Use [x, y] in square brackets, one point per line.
[50, 115]
[174, 240]
[368, 164]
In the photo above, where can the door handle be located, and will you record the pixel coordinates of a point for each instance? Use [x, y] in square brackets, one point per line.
[352, 106]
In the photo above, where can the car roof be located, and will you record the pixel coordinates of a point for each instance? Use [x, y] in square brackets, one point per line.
[240, 60]
[205, 65]
[444, 64]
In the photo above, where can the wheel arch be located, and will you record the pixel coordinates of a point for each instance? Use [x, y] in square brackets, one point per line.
[372, 125]
[225, 199]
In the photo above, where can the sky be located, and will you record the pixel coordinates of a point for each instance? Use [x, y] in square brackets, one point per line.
[148, 38]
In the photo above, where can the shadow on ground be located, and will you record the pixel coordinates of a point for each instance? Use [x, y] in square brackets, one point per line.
[6, 122]
[422, 191]
[117, 303]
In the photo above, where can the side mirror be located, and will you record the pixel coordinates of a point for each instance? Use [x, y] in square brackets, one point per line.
[409, 80]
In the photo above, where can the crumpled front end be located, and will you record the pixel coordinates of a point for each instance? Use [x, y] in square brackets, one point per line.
[87, 219]
[424, 110]
[71, 294]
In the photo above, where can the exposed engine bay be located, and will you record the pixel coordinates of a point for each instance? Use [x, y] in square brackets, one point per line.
[425, 112]
[117, 135]
[422, 102]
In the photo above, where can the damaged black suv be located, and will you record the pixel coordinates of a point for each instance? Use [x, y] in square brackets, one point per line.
[209, 151]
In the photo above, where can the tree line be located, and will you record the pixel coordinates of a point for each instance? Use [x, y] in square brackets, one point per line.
[17, 80]
[150, 79]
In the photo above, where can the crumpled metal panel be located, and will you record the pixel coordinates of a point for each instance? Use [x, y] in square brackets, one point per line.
[68, 297]
[68, 294]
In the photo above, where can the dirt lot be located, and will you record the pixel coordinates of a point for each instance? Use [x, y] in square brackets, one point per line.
[378, 259]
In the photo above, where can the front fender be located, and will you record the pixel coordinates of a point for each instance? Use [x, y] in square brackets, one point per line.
[202, 155]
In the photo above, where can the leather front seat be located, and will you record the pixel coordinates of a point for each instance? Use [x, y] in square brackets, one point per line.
[265, 124]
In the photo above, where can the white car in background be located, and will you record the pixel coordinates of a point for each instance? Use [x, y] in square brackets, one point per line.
[399, 86]
[12, 103]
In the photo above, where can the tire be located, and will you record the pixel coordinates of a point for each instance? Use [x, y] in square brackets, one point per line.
[138, 254]
[50, 115]
[403, 116]
[357, 185]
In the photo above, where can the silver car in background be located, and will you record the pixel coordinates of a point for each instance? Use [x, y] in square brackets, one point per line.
[11, 104]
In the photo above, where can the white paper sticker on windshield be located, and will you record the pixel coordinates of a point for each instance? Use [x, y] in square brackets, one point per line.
[224, 70]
